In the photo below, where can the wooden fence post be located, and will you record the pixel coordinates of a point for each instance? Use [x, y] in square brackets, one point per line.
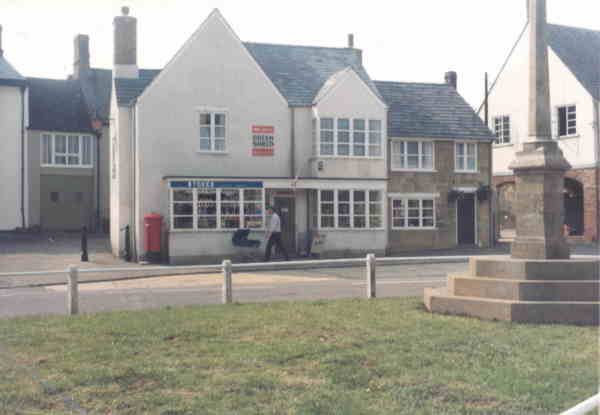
[72, 291]
[227, 290]
[371, 267]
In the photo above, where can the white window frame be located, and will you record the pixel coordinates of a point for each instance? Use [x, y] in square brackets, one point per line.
[503, 135]
[367, 215]
[567, 113]
[420, 168]
[218, 203]
[465, 157]
[53, 154]
[212, 111]
[366, 145]
[405, 200]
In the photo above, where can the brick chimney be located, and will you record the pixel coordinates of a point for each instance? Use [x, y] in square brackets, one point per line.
[451, 79]
[125, 44]
[81, 58]
[358, 52]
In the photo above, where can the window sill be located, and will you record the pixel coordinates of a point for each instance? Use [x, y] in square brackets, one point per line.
[414, 170]
[414, 229]
[211, 230]
[349, 157]
[216, 153]
[467, 171]
[69, 166]
[567, 137]
[350, 229]
[503, 145]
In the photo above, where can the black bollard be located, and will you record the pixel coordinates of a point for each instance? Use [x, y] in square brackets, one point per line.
[84, 247]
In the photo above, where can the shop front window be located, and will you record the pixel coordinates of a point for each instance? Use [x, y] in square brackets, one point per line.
[217, 209]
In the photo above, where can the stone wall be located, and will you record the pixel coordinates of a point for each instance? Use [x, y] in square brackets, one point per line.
[441, 181]
[589, 179]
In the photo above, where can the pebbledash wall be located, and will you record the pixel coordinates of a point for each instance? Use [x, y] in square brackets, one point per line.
[570, 63]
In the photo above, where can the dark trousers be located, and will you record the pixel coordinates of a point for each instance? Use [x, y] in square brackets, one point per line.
[275, 239]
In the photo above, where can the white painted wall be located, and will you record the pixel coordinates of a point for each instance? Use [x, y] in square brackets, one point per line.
[510, 97]
[351, 98]
[213, 69]
[120, 181]
[10, 157]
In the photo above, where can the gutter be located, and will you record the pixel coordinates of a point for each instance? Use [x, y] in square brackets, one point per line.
[293, 144]
[98, 225]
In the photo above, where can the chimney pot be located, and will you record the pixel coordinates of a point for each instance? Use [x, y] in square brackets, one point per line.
[351, 40]
[125, 10]
[451, 79]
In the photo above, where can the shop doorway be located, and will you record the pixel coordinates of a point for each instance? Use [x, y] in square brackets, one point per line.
[465, 223]
[286, 208]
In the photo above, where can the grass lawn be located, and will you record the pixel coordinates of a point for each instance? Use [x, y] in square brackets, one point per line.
[386, 356]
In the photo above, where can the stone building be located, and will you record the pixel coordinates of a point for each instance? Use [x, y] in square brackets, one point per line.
[574, 65]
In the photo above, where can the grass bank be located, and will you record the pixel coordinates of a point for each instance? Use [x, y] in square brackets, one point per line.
[343, 357]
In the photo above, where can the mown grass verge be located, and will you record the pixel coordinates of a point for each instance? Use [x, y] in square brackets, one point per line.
[386, 356]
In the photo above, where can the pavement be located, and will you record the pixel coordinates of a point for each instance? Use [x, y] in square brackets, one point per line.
[129, 290]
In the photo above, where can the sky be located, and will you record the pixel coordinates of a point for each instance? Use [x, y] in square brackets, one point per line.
[402, 40]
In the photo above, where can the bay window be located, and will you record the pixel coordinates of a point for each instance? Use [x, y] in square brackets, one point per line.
[350, 137]
[217, 208]
[412, 155]
[66, 150]
[350, 209]
[413, 213]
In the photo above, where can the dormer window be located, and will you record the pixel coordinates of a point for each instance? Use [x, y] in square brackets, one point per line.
[350, 137]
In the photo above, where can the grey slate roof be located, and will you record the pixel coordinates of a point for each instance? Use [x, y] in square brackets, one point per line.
[579, 49]
[96, 86]
[8, 74]
[129, 89]
[421, 110]
[57, 105]
[299, 72]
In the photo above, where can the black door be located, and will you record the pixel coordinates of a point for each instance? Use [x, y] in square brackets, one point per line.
[286, 208]
[466, 219]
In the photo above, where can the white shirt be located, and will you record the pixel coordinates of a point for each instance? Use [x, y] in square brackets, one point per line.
[275, 223]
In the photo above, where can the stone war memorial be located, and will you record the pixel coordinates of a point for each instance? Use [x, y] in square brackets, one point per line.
[539, 282]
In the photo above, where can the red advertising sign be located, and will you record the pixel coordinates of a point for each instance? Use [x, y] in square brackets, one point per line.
[263, 140]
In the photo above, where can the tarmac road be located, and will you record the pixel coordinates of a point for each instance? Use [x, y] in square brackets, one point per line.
[299, 285]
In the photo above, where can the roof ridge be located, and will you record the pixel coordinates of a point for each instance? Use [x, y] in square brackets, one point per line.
[575, 27]
[37, 78]
[299, 46]
[412, 83]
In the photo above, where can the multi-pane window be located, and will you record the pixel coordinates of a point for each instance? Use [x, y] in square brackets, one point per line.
[202, 209]
[502, 129]
[350, 209]
[212, 131]
[350, 137]
[413, 213]
[567, 120]
[466, 157]
[66, 150]
[412, 155]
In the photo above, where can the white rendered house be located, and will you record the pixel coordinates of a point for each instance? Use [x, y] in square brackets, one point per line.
[574, 64]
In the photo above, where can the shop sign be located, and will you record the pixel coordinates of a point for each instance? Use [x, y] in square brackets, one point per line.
[206, 184]
[263, 140]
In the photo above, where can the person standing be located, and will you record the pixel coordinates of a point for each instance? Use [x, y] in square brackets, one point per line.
[273, 235]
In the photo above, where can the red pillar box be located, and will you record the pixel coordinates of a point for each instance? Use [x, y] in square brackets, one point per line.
[152, 230]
